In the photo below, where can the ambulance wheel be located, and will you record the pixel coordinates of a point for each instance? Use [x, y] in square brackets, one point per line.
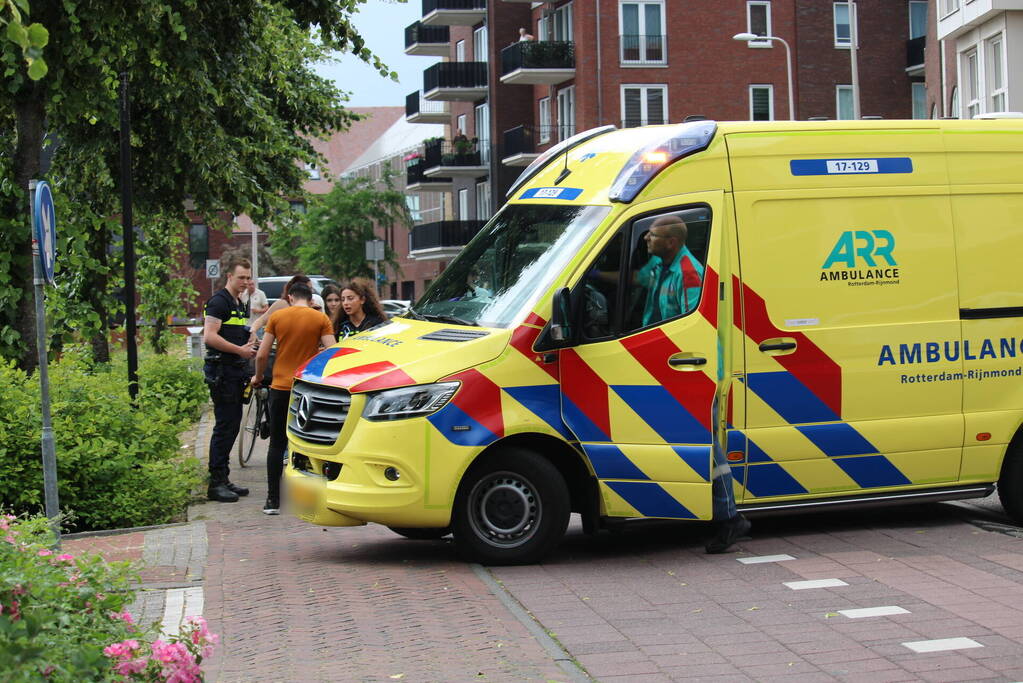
[421, 534]
[1010, 484]
[511, 508]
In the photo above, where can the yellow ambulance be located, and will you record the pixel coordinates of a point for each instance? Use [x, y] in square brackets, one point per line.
[844, 326]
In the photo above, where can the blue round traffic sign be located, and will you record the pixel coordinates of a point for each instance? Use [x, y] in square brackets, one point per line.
[44, 225]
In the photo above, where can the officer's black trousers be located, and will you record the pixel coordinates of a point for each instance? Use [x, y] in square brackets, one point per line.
[227, 409]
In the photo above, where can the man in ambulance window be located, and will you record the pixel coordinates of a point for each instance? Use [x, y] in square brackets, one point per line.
[673, 276]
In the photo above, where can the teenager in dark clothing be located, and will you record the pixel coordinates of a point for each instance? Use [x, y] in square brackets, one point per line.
[360, 308]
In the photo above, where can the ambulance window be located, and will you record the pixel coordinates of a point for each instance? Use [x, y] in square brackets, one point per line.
[600, 291]
[669, 253]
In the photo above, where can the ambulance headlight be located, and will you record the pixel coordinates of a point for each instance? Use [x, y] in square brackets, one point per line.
[654, 158]
[399, 404]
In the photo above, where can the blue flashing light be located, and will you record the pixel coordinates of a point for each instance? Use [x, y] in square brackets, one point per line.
[652, 159]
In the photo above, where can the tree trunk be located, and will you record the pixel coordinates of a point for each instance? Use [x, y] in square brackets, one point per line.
[29, 115]
[95, 294]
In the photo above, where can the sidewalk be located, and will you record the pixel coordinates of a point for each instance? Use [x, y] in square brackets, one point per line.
[906, 594]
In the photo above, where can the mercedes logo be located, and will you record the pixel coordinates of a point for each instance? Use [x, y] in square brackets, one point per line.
[304, 412]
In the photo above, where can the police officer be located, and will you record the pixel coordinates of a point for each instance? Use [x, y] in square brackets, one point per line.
[227, 372]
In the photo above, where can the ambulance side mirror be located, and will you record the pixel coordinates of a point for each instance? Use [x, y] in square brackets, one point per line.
[561, 305]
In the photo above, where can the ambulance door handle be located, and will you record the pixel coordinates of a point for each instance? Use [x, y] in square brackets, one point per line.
[782, 344]
[686, 359]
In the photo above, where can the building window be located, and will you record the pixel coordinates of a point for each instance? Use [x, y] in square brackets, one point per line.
[919, 95]
[482, 121]
[412, 202]
[313, 171]
[917, 19]
[199, 245]
[642, 32]
[761, 103]
[483, 200]
[948, 7]
[842, 26]
[460, 124]
[479, 44]
[843, 102]
[557, 25]
[954, 103]
[758, 21]
[972, 84]
[460, 51]
[566, 113]
[994, 67]
[297, 205]
[463, 204]
[644, 105]
[545, 120]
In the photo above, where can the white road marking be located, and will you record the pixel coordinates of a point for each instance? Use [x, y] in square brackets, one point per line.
[942, 644]
[815, 583]
[873, 612]
[765, 558]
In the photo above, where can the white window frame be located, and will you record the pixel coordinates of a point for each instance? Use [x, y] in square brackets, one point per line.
[643, 60]
[463, 204]
[839, 89]
[483, 200]
[561, 18]
[948, 7]
[644, 88]
[994, 68]
[481, 121]
[313, 171]
[412, 200]
[839, 43]
[918, 95]
[460, 51]
[770, 99]
[749, 22]
[971, 74]
[479, 44]
[953, 103]
[566, 110]
[544, 108]
[461, 123]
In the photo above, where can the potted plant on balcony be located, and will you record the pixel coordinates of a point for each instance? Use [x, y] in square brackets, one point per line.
[411, 159]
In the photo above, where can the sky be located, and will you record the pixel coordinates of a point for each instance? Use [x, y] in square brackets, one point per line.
[382, 24]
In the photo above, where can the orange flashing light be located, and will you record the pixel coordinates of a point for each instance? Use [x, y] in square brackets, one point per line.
[735, 456]
[984, 436]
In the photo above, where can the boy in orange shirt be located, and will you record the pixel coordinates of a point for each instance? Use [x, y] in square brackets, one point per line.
[299, 331]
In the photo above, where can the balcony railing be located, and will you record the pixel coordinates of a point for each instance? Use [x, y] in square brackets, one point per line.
[418, 110]
[443, 234]
[642, 49]
[458, 157]
[543, 54]
[414, 174]
[915, 52]
[427, 40]
[465, 81]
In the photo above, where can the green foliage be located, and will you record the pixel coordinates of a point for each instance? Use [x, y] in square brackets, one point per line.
[330, 238]
[116, 467]
[30, 39]
[161, 288]
[58, 611]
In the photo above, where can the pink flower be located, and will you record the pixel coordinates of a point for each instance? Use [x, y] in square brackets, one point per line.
[122, 650]
[45, 553]
[132, 666]
[65, 557]
[124, 616]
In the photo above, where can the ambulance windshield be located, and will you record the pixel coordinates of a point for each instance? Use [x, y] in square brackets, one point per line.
[509, 264]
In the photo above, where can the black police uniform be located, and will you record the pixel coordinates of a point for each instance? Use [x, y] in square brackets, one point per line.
[226, 374]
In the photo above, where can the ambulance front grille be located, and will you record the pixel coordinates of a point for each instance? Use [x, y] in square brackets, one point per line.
[317, 412]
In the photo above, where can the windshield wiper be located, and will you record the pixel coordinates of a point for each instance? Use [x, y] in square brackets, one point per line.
[413, 314]
[448, 319]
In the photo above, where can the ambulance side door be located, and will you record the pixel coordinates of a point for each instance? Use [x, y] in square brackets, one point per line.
[639, 397]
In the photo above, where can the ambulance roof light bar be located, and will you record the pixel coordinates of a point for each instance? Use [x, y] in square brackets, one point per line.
[554, 151]
[652, 159]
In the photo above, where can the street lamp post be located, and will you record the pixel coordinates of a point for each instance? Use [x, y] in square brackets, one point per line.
[748, 37]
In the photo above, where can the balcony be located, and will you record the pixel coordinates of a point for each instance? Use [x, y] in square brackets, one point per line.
[454, 12]
[520, 144]
[418, 110]
[416, 180]
[545, 62]
[455, 81]
[428, 41]
[915, 56]
[441, 239]
[463, 157]
[642, 50]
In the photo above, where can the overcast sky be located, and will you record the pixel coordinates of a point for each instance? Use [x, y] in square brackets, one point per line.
[382, 23]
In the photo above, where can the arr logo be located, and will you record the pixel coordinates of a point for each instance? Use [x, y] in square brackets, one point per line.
[866, 245]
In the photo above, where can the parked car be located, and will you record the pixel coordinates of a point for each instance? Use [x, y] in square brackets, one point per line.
[273, 285]
[393, 307]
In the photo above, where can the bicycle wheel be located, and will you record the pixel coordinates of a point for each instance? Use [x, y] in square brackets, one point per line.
[261, 414]
[249, 431]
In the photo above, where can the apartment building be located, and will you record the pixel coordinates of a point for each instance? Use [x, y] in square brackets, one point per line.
[974, 67]
[519, 76]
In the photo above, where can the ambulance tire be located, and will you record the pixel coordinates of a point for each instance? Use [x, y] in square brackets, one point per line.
[421, 534]
[511, 508]
[1010, 483]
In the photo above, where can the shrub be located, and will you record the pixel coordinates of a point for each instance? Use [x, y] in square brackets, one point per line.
[116, 467]
[63, 618]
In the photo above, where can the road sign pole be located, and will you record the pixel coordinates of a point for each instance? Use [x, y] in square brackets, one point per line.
[49, 452]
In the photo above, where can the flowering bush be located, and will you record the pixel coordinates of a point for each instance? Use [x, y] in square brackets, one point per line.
[64, 617]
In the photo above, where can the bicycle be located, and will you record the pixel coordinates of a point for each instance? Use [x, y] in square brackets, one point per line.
[255, 423]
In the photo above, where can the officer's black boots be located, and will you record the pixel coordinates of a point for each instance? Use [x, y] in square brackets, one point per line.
[222, 493]
[240, 491]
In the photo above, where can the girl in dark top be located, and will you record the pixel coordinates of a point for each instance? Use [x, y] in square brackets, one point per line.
[360, 308]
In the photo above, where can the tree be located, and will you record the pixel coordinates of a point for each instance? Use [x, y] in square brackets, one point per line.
[223, 103]
[331, 237]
